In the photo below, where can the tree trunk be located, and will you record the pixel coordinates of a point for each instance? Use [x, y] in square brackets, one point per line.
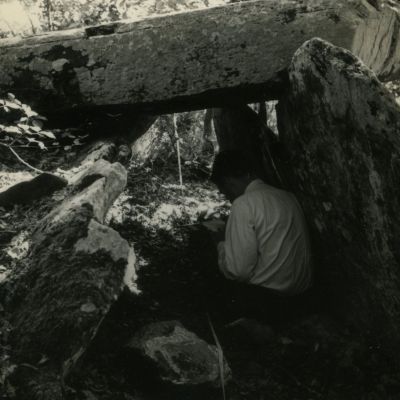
[341, 130]
[231, 54]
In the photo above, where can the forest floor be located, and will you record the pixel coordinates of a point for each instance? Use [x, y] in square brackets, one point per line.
[311, 358]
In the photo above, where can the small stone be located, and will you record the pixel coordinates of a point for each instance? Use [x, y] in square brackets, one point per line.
[88, 307]
[180, 356]
[58, 65]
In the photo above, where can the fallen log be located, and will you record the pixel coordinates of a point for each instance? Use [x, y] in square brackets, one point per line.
[341, 131]
[198, 59]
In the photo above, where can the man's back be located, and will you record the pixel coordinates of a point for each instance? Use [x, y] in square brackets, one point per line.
[266, 242]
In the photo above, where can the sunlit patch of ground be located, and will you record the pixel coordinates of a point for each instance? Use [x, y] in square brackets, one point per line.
[19, 246]
[189, 202]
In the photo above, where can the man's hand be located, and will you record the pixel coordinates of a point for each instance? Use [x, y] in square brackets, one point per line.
[215, 225]
[216, 229]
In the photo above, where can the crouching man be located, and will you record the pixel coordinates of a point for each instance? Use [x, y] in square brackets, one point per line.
[266, 251]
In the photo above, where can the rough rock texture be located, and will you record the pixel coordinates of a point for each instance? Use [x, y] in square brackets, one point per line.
[98, 187]
[180, 356]
[28, 191]
[98, 170]
[148, 146]
[102, 149]
[341, 130]
[76, 269]
[192, 59]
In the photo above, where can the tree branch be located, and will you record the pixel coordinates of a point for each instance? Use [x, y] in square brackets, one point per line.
[21, 160]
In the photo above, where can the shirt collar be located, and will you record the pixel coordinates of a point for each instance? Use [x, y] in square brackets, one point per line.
[253, 185]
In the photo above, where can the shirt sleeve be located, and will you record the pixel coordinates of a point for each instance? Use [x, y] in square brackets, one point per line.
[237, 255]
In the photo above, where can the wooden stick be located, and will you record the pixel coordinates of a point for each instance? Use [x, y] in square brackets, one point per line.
[178, 151]
[21, 160]
[220, 357]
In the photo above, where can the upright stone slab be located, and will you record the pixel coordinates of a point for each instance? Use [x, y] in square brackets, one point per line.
[341, 130]
[76, 269]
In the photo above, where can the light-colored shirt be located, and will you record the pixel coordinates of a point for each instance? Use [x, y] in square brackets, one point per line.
[266, 241]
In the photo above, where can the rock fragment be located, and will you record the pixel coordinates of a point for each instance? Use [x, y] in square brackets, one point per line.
[180, 356]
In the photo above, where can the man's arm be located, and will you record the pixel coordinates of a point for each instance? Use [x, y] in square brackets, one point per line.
[237, 255]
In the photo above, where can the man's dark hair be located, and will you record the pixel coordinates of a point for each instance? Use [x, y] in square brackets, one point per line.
[232, 163]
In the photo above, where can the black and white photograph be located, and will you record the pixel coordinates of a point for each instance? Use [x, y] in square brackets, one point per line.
[199, 199]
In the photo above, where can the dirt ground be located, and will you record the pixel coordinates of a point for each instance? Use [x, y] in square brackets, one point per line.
[312, 358]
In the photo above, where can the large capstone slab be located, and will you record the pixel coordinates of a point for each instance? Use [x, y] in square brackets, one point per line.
[193, 59]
